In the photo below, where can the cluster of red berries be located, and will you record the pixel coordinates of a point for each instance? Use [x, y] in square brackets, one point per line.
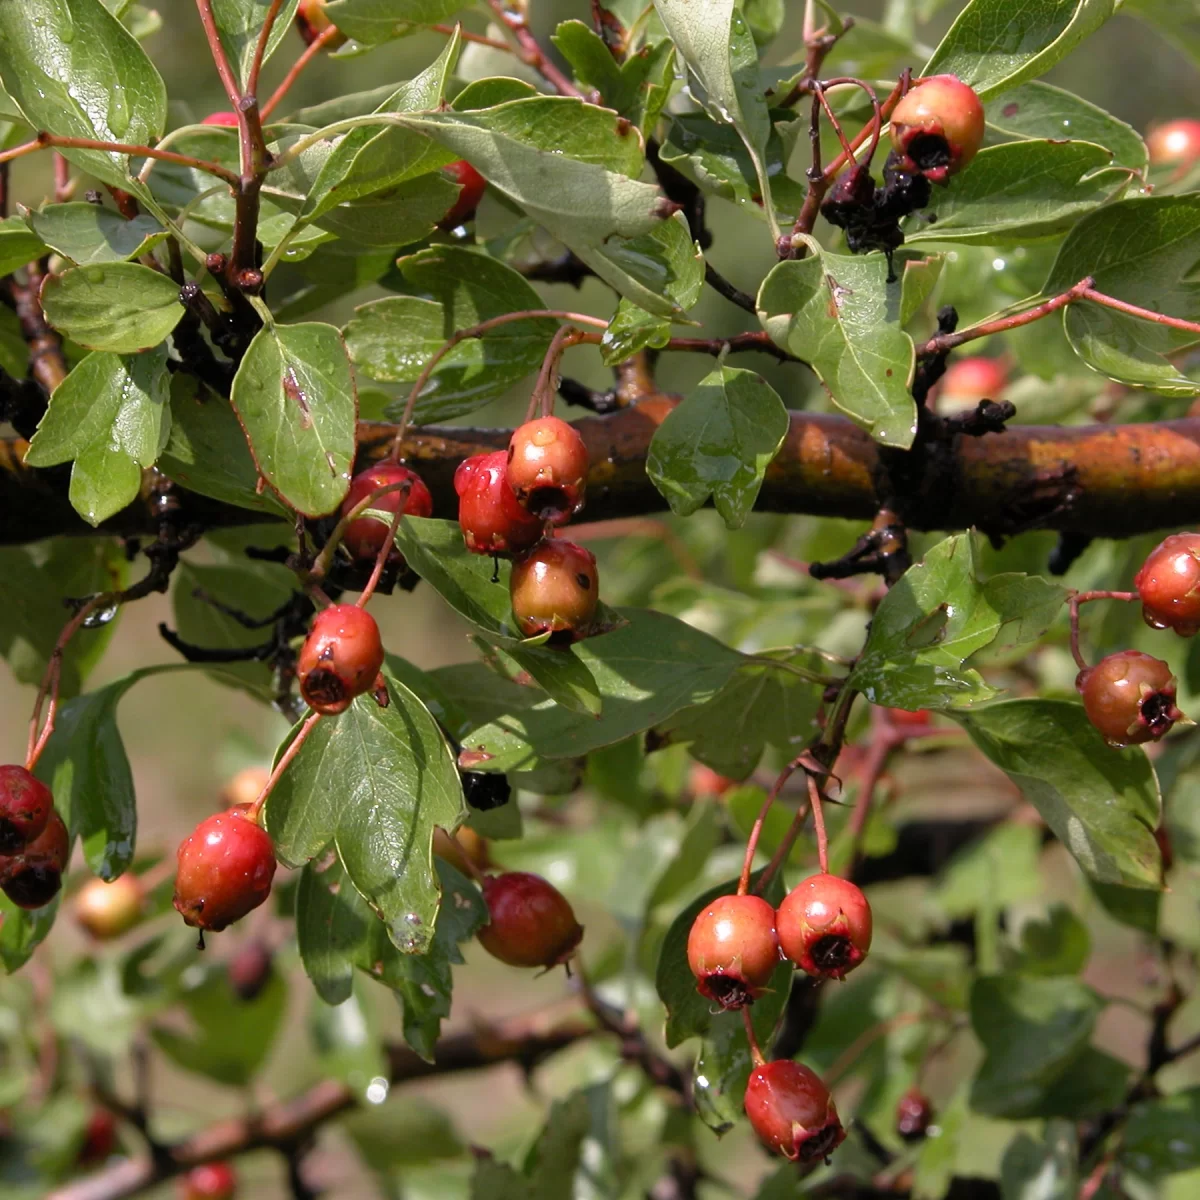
[34, 844]
[508, 500]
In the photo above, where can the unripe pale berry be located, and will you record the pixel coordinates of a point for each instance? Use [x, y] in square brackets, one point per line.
[555, 588]
[340, 659]
[107, 910]
[792, 1111]
[1174, 143]
[1169, 584]
[824, 926]
[25, 806]
[732, 949]
[914, 1115]
[491, 518]
[245, 786]
[365, 536]
[531, 923]
[210, 1181]
[471, 188]
[1129, 697]
[226, 865]
[312, 21]
[464, 851]
[938, 127]
[33, 878]
[548, 468]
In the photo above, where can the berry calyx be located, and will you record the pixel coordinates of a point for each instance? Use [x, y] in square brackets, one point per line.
[1176, 143]
[209, 1181]
[531, 923]
[226, 865]
[228, 119]
[25, 806]
[914, 1115]
[364, 536]
[471, 188]
[938, 127]
[99, 1138]
[967, 381]
[824, 926]
[792, 1111]
[548, 468]
[732, 950]
[33, 878]
[340, 659]
[1129, 697]
[555, 589]
[107, 910]
[491, 518]
[312, 20]
[1169, 584]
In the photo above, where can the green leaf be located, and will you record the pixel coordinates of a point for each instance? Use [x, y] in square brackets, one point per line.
[76, 71]
[333, 928]
[120, 306]
[838, 313]
[1162, 1136]
[1058, 944]
[918, 281]
[1138, 908]
[375, 21]
[993, 45]
[718, 442]
[18, 247]
[90, 233]
[991, 873]
[1141, 251]
[22, 931]
[1101, 803]
[239, 23]
[937, 616]
[294, 395]
[111, 416]
[1042, 1170]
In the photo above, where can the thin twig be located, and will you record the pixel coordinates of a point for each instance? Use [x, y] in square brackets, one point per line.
[311, 51]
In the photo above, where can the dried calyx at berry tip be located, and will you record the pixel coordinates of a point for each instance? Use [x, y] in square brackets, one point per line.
[365, 536]
[732, 949]
[492, 519]
[792, 1111]
[471, 184]
[938, 127]
[555, 589]
[341, 658]
[548, 468]
[824, 926]
[209, 1181]
[530, 922]
[226, 865]
[107, 910]
[25, 807]
[1168, 584]
[32, 878]
[1129, 697]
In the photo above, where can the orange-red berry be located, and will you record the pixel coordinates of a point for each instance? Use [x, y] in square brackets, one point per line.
[210, 1181]
[340, 659]
[548, 468]
[1175, 143]
[1169, 584]
[530, 922]
[107, 910]
[221, 118]
[471, 188]
[491, 518]
[824, 926]
[1129, 697]
[704, 781]
[792, 1111]
[365, 536]
[555, 589]
[25, 806]
[938, 127]
[732, 949]
[312, 20]
[226, 865]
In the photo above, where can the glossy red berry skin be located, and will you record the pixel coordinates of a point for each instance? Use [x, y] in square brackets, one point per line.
[227, 119]
[1129, 697]
[732, 950]
[548, 468]
[1169, 584]
[490, 517]
[99, 1138]
[226, 865]
[33, 878]
[107, 910]
[555, 589]
[364, 536]
[969, 380]
[901, 717]
[938, 127]
[472, 186]
[704, 781]
[824, 926]
[312, 21]
[340, 659]
[792, 1111]
[1176, 143]
[531, 923]
[25, 806]
[210, 1181]
[914, 1115]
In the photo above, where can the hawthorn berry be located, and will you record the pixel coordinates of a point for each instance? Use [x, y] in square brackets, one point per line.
[107, 910]
[491, 518]
[938, 127]
[1129, 697]
[555, 590]
[25, 806]
[824, 926]
[463, 851]
[33, 877]
[548, 468]
[914, 1115]
[471, 188]
[792, 1111]
[732, 949]
[209, 1181]
[916, 719]
[245, 786]
[340, 659]
[228, 119]
[1169, 584]
[312, 20]
[99, 1138]
[1175, 143]
[250, 969]
[969, 380]
[704, 781]
[365, 536]
[226, 865]
[531, 923]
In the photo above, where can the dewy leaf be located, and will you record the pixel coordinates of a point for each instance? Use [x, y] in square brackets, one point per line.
[239, 23]
[375, 21]
[1101, 803]
[718, 442]
[294, 395]
[120, 306]
[994, 44]
[839, 314]
[76, 71]
[939, 614]
[112, 417]
[89, 233]
[1143, 251]
[1163, 1135]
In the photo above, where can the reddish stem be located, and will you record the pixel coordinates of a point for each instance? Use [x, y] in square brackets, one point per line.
[467, 36]
[546, 387]
[385, 550]
[782, 850]
[217, 50]
[62, 179]
[260, 47]
[837, 125]
[871, 130]
[1073, 603]
[320, 567]
[1144, 314]
[310, 723]
[530, 52]
[756, 1054]
[815, 799]
[756, 829]
[45, 141]
[310, 52]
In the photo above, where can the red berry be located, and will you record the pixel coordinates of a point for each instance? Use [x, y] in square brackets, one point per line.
[221, 118]
[491, 518]
[548, 468]
[914, 1115]
[1169, 584]
[938, 127]
[312, 21]
[471, 189]
[704, 781]
[245, 786]
[340, 659]
[211, 1181]
[792, 1111]
[1129, 697]
[226, 865]
[25, 806]
[250, 970]
[909, 720]
[107, 910]
[555, 589]
[1175, 143]
[824, 926]
[99, 1138]
[33, 877]
[531, 922]
[969, 380]
[732, 949]
[364, 536]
